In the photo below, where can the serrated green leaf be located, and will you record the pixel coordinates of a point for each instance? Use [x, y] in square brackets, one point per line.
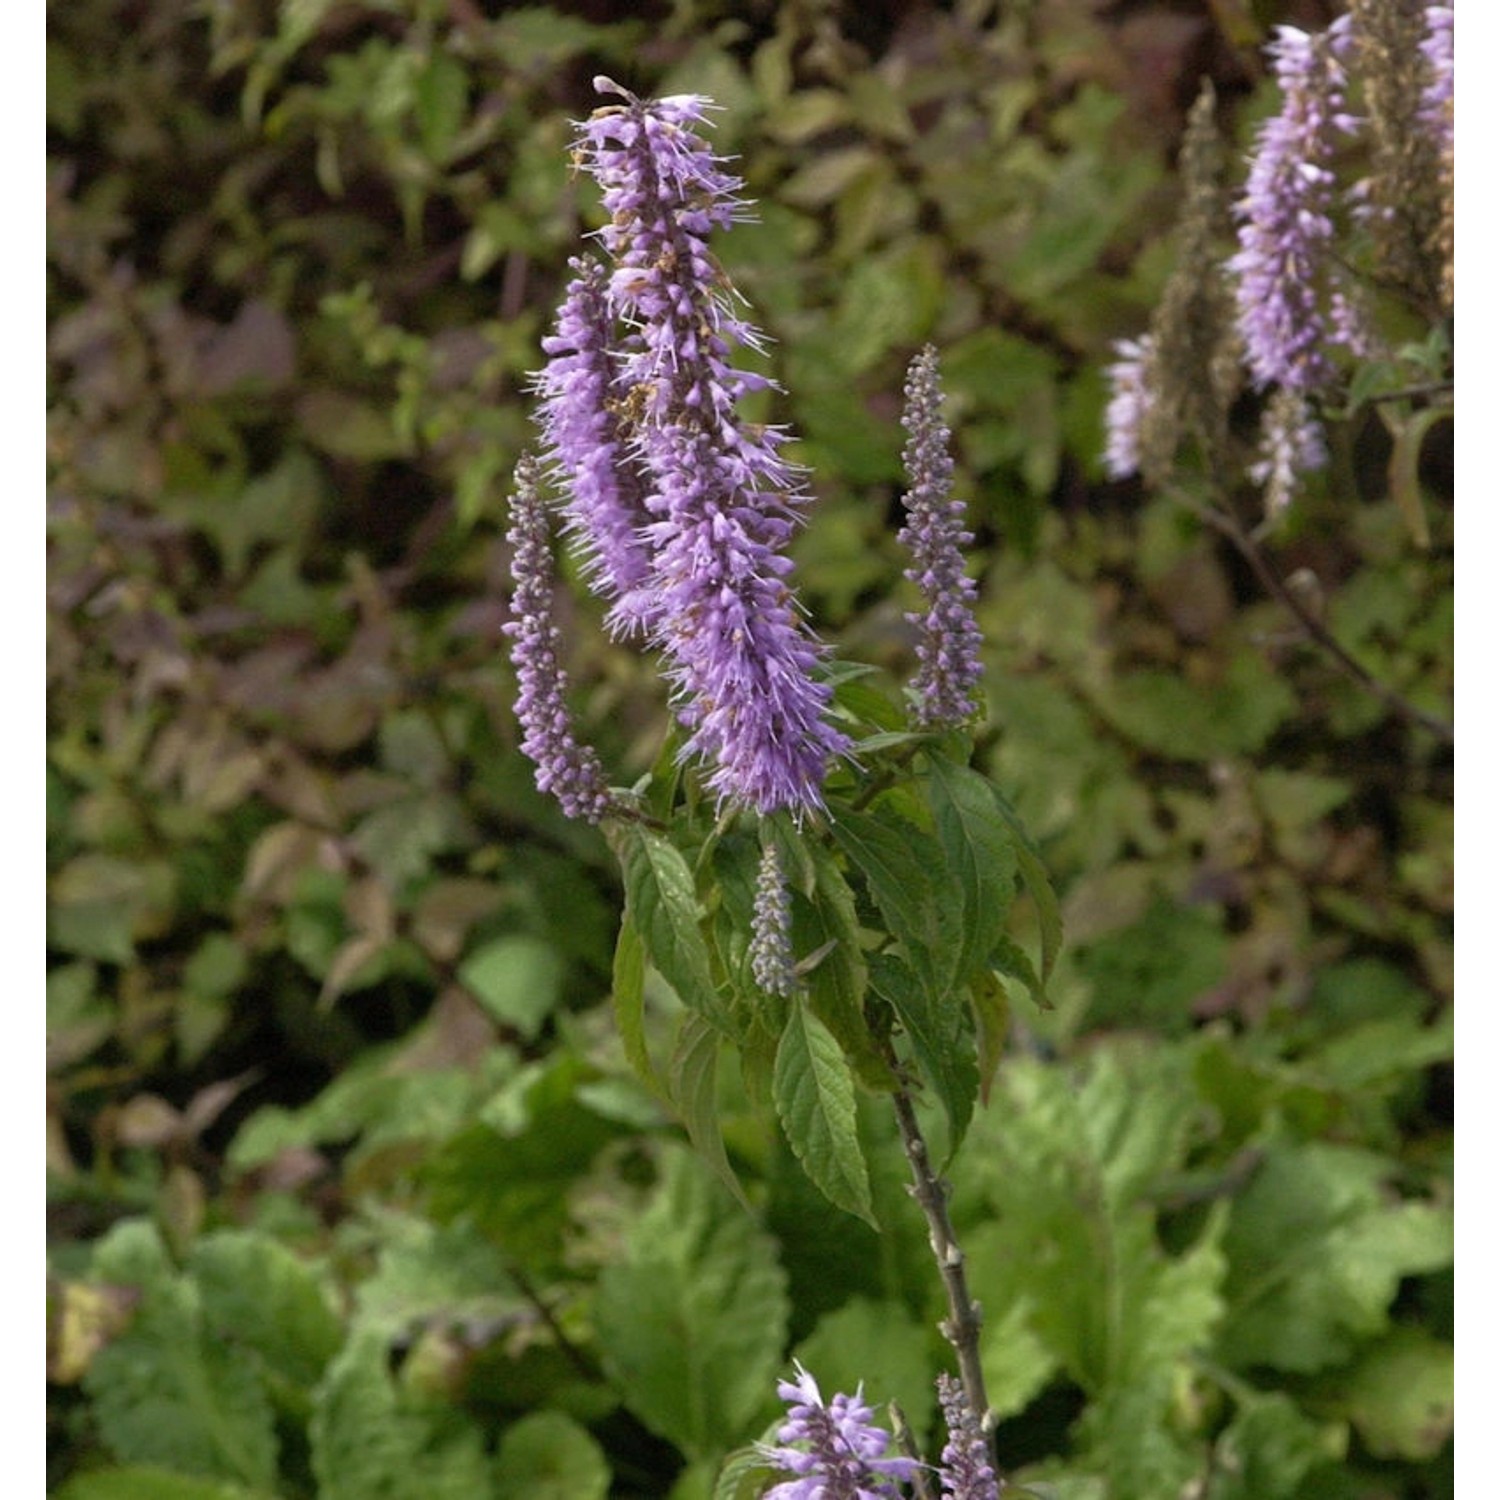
[940, 1027]
[691, 1319]
[259, 1294]
[548, 1456]
[1037, 882]
[662, 902]
[693, 1088]
[371, 1442]
[170, 1390]
[908, 880]
[814, 1096]
[980, 848]
[629, 994]
[836, 986]
[1317, 1252]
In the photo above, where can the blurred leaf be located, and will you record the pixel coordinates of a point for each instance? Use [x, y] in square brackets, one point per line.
[517, 979]
[1316, 1253]
[258, 1293]
[548, 1456]
[370, 1443]
[170, 1390]
[692, 1318]
[147, 1482]
[1400, 1396]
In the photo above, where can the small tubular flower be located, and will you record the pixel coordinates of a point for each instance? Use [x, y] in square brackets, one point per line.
[948, 666]
[966, 1471]
[1291, 444]
[1292, 300]
[1129, 401]
[1437, 97]
[587, 447]
[771, 960]
[721, 501]
[843, 1453]
[570, 771]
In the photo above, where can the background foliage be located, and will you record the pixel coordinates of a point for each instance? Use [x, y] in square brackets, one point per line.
[352, 1192]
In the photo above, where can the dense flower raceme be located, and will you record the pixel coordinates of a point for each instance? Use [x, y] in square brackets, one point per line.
[1129, 401]
[948, 666]
[571, 772]
[967, 1473]
[771, 958]
[839, 1453]
[1437, 98]
[586, 443]
[683, 508]
[1293, 303]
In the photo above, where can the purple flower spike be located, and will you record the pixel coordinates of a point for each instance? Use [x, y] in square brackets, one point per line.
[571, 772]
[587, 447]
[723, 502]
[1437, 97]
[770, 939]
[1129, 401]
[948, 670]
[1291, 296]
[1291, 444]
[844, 1454]
[966, 1472]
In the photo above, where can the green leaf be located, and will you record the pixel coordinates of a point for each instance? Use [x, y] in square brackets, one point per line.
[909, 882]
[980, 850]
[517, 979]
[1269, 1450]
[171, 1390]
[1317, 1251]
[693, 1088]
[629, 992]
[814, 1096]
[1037, 882]
[259, 1294]
[660, 899]
[836, 986]
[692, 1318]
[146, 1482]
[548, 1456]
[512, 1171]
[1400, 1396]
[371, 1442]
[940, 1027]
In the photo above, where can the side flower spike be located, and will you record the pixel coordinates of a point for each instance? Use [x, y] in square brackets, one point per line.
[840, 1453]
[966, 1471]
[948, 666]
[570, 771]
[771, 959]
[588, 444]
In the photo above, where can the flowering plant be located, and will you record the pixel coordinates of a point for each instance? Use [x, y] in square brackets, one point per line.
[816, 871]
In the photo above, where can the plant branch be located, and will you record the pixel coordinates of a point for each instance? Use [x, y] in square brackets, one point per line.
[1312, 627]
[961, 1326]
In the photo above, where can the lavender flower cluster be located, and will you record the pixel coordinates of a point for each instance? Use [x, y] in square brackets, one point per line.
[836, 1452]
[682, 510]
[1295, 301]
